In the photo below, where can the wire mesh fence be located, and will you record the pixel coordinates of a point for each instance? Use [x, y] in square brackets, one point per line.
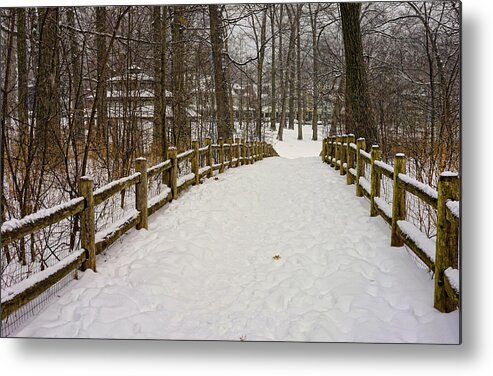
[114, 209]
[422, 215]
[14, 322]
[155, 185]
[45, 248]
[37, 251]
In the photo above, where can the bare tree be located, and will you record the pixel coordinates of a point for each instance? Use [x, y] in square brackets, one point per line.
[260, 42]
[314, 11]
[273, 98]
[299, 94]
[359, 118]
[102, 111]
[224, 126]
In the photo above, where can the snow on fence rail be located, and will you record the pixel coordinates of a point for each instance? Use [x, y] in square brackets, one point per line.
[229, 155]
[440, 255]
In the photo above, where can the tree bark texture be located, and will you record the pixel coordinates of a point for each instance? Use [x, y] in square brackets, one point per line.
[224, 125]
[359, 119]
[47, 93]
[178, 78]
[102, 114]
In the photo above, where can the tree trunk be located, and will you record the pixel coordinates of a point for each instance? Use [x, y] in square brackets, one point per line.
[224, 128]
[273, 98]
[163, 47]
[298, 70]
[47, 92]
[359, 119]
[22, 89]
[77, 95]
[292, 72]
[229, 85]
[158, 88]
[313, 19]
[260, 66]
[101, 70]
[282, 119]
[178, 77]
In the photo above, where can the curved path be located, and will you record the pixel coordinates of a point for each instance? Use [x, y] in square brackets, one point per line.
[281, 250]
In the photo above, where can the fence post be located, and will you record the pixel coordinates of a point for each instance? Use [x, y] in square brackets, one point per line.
[338, 152]
[87, 225]
[447, 240]
[360, 165]
[208, 161]
[375, 180]
[242, 152]
[398, 199]
[195, 161]
[342, 154]
[247, 149]
[164, 175]
[141, 192]
[261, 149]
[325, 150]
[330, 152]
[221, 154]
[237, 152]
[334, 148]
[230, 153]
[173, 172]
[349, 159]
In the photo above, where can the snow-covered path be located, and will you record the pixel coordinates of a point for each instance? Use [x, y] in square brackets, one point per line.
[281, 250]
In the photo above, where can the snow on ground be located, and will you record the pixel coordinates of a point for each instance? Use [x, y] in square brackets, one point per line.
[291, 147]
[281, 250]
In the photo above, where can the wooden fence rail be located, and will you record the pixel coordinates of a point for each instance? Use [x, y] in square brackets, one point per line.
[92, 242]
[440, 255]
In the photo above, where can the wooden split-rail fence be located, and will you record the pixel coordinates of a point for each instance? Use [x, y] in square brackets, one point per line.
[441, 256]
[229, 154]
